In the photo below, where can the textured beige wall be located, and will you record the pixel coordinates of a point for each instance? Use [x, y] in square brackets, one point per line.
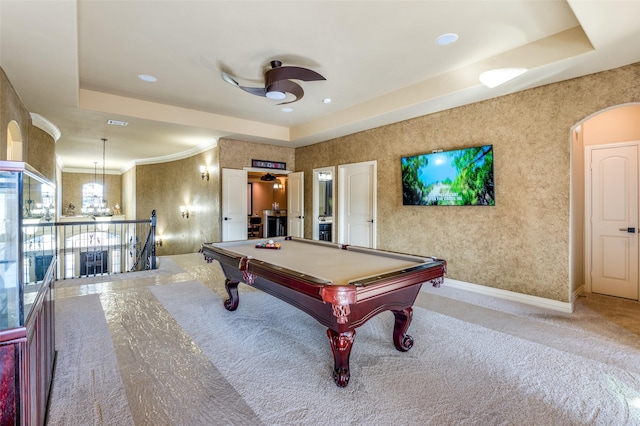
[521, 244]
[38, 147]
[12, 108]
[72, 189]
[236, 154]
[164, 187]
[41, 152]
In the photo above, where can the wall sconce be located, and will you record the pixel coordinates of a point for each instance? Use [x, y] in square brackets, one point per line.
[277, 184]
[159, 242]
[184, 210]
[204, 172]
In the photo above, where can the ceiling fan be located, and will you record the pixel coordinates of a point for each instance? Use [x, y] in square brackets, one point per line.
[277, 82]
[268, 177]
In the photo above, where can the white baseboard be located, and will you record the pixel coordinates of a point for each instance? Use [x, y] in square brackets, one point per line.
[513, 296]
[577, 293]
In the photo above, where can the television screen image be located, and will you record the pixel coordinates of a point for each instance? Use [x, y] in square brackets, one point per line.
[462, 177]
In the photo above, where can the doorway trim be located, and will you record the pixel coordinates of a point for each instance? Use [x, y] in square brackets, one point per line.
[316, 202]
[579, 274]
[273, 171]
[588, 153]
[344, 202]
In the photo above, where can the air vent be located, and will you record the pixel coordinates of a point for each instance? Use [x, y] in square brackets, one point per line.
[117, 123]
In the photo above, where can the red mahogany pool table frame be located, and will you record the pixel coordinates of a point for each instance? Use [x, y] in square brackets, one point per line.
[339, 301]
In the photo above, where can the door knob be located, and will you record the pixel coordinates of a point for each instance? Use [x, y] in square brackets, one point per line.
[630, 230]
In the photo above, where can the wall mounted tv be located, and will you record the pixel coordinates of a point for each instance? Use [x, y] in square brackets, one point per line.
[461, 177]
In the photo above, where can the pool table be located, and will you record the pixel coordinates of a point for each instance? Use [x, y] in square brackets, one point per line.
[341, 286]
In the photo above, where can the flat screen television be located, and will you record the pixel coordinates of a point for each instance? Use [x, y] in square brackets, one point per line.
[461, 177]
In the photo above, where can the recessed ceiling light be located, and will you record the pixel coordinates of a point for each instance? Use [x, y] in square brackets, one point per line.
[287, 109]
[148, 78]
[326, 101]
[446, 39]
[498, 76]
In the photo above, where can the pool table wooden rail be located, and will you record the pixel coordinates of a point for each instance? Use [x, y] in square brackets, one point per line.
[341, 308]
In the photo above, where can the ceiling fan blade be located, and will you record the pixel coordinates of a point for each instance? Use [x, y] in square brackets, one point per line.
[226, 77]
[291, 73]
[287, 86]
[259, 91]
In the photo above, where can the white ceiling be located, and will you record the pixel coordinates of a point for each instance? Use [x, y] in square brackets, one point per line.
[75, 63]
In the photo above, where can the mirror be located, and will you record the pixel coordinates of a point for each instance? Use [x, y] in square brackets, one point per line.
[325, 194]
[323, 203]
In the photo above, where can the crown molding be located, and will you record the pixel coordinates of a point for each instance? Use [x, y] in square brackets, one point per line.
[42, 123]
[173, 157]
[90, 171]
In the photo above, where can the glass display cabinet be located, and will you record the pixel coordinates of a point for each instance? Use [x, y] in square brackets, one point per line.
[27, 273]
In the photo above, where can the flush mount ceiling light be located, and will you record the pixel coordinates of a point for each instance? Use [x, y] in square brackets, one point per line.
[287, 109]
[446, 39]
[148, 78]
[275, 95]
[496, 77]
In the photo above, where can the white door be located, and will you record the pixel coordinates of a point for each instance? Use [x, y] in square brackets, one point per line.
[295, 204]
[357, 206]
[234, 205]
[614, 221]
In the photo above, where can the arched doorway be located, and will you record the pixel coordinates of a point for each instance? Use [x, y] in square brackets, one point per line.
[14, 142]
[594, 138]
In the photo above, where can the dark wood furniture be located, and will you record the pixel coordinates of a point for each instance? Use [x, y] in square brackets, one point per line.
[255, 226]
[341, 286]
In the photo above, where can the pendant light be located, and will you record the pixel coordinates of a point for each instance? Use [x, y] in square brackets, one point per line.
[104, 202]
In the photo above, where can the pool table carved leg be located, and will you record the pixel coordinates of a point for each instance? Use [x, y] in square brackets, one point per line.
[341, 344]
[231, 304]
[401, 340]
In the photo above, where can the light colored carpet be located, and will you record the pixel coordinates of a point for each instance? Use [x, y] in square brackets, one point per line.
[163, 350]
[87, 386]
[279, 360]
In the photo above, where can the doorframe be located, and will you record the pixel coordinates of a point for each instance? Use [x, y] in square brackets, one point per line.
[316, 201]
[587, 204]
[223, 206]
[293, 177]
[343, 193]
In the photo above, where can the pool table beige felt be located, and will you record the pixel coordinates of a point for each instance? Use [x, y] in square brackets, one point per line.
[341, 286]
